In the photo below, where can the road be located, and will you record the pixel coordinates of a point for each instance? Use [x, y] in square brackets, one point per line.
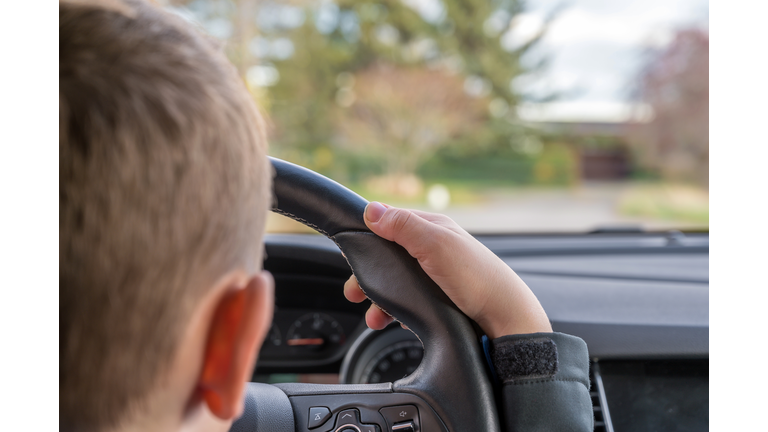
[580, 209]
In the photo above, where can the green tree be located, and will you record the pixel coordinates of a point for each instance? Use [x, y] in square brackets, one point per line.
[344, 39]
[402, 115]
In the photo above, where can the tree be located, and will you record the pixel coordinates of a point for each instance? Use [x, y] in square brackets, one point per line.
[675, 83]
[403, 114]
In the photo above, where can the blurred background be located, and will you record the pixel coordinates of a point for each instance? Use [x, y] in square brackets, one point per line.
[508, 116]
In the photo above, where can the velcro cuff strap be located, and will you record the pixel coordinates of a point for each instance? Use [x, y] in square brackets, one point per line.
[520, 359]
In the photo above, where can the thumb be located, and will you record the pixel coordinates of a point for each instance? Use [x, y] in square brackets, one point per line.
[404, 227]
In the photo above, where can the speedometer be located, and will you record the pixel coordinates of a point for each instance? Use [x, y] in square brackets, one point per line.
[393, 362]
[381, 356]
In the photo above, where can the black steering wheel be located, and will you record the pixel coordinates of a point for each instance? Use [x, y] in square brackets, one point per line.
[450, 391]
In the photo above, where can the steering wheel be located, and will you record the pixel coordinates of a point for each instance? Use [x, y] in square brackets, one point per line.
[450, 391]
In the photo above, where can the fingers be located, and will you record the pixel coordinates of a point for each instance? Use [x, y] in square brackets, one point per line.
[405, 227]
[441, 220]
[437, 218]
[376, 318]
[352, 290]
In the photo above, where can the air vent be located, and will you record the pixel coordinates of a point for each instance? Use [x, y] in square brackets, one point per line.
[599, 406]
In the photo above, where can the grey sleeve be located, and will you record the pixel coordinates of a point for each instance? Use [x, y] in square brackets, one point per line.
[545, 378]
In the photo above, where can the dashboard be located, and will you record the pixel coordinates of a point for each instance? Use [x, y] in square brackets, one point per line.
[639, 300]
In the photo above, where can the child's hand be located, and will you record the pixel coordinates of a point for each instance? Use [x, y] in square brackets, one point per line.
[478, 281]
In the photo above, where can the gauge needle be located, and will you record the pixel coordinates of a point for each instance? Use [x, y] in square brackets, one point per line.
[303, 342]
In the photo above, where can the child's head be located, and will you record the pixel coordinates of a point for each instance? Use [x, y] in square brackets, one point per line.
[163, 190]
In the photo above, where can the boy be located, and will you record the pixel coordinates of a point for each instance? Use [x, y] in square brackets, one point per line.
[164, 189]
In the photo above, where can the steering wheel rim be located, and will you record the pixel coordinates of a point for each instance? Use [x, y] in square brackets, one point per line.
[452, 376]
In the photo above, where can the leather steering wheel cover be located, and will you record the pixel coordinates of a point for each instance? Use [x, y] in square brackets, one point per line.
[451, 376]
[316, 201]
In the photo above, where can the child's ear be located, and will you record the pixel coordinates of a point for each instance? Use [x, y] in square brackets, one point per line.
[240, 323]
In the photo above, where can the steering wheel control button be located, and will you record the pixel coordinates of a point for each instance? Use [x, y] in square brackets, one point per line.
[349, 421]
[347, 417]
[318, 416]
[401, 416]
[404, 427]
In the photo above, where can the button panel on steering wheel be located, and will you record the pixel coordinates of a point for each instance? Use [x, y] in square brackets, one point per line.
[372, 412]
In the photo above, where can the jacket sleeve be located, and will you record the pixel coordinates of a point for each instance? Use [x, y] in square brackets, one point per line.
[545, 382]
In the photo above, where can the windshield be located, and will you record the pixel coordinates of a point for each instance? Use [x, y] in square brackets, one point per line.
[508, 116]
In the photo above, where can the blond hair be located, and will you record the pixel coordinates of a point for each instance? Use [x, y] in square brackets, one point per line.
[163, 188]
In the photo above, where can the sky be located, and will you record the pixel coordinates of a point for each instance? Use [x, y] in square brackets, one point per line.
[596, 47]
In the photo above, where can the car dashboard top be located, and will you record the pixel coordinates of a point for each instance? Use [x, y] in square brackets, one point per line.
[640, 301]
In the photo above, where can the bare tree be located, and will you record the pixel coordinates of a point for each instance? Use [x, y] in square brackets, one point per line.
[405, 113]
[675, 83]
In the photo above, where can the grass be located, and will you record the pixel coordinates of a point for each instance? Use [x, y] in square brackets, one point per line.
[677, 202]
